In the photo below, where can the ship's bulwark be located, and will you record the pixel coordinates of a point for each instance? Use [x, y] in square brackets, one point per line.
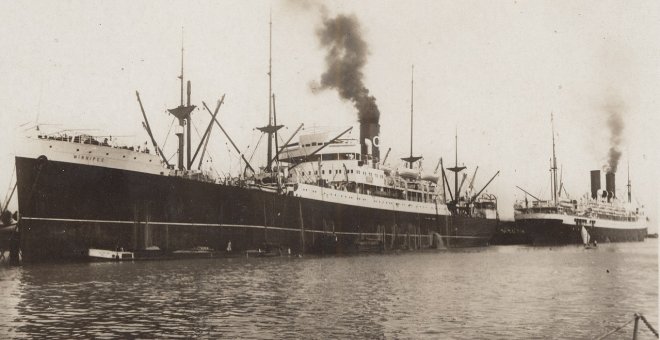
[67, 208]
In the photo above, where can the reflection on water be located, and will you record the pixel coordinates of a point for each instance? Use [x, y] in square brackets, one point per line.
[497, 292]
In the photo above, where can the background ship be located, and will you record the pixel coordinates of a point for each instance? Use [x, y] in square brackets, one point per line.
[600, 217]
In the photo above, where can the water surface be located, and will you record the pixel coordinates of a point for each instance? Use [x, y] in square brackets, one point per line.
[501, 292]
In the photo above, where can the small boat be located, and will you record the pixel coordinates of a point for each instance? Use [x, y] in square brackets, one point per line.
[195, 250]
[268, 250]
[408, 173]
[117, 255]
[431, 177]
[585, 236]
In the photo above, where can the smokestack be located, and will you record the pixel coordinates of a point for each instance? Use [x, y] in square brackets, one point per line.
[369, 130]
[609, 184]
[595, 183]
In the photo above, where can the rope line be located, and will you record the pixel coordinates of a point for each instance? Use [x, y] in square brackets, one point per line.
[648, 325]
[255, 147]
[615, 330]
[167, 136]
[5, 202]
[637, 316]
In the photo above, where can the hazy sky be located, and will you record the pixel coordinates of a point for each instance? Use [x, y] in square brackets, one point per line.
[493, 70]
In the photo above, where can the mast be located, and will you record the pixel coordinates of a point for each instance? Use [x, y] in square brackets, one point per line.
[456, 163]
[629, 187]
[412, 101]
[270, 129]
[181, 74]
[411, 159]
[183, 114]
[553, 168]
[188, 122]
[277, 147]
[270, 89]
[456, 169]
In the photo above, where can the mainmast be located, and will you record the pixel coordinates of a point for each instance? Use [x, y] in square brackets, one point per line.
[183, 114]
[411, 159]
[553, 168]
[629, 187]
[270, 86]
[270, 129]
[456, 169]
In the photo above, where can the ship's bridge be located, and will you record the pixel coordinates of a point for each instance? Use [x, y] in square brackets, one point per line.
[322, 159]
[319, 160]
[305, 149]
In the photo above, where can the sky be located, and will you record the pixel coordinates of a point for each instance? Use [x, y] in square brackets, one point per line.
[491, 71]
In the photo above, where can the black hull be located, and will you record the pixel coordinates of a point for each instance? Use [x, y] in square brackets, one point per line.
[555, 232]
[67, 208]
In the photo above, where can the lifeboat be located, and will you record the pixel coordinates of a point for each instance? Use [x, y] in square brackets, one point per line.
[408, 173]
[431, 177]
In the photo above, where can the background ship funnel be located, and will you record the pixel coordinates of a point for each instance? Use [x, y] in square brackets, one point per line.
[595, 183]
[610, 184]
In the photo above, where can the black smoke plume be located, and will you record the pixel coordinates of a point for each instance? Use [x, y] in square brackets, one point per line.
[614, 110]
[347, 54]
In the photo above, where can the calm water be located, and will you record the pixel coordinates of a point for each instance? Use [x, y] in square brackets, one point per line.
[505, 292]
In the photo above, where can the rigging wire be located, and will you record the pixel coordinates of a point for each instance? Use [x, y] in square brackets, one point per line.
[174, 154]
[256, 147]
[168, 134]
[230, 156]
[11, 179]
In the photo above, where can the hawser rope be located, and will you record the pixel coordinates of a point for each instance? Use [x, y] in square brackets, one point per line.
[635, 318]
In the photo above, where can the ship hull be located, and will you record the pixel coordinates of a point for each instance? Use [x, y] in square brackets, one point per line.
[67, 208]
[558, 230]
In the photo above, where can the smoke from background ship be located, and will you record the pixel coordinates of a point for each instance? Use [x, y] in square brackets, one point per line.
[614, 109]
[347, 52]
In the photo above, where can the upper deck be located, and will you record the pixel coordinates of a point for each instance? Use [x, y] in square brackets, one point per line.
[595, 208]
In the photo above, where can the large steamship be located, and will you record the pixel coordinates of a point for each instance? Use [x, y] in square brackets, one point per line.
[320, 194]
[600, 217]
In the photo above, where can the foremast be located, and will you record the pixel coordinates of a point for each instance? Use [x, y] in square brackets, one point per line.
[272, 127]
[553, 166]
[182, 113]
